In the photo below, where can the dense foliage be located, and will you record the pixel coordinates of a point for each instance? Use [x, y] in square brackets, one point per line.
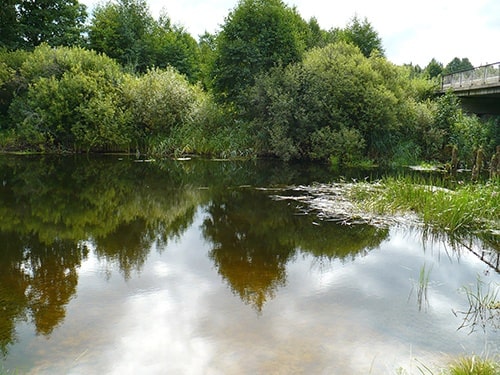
[27, 23]
[268, 83]
[127, 32]
[336, 102]
[362, 34]
[257, 35]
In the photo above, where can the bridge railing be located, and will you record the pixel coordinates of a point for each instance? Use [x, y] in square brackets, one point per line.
[480, 76]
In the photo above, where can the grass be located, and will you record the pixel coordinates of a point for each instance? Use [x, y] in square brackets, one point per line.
[423, 283]
[484, 306]
[422, 286]
[461, 207]
[474, 365]
[464, 365]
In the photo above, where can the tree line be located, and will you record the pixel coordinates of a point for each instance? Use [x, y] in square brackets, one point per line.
[267, 83]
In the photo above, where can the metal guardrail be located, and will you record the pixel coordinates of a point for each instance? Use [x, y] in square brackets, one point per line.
[481, 76]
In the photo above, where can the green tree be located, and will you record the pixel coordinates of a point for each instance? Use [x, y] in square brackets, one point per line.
[207, 45]
[9, 28]
[363, 35]
[257, 35]
[433, 69]
[457, 65]
[316, 36]
[121, 30]
[335, 103]
[171, 45]
[55, 22]
[68, 98]
[127, 32]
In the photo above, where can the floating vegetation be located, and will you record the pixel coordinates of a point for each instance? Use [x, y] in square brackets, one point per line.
[334, 202]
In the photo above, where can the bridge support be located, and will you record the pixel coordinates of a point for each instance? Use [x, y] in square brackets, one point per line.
[481, 105]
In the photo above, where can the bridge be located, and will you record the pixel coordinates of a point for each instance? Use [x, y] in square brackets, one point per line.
[478, 88]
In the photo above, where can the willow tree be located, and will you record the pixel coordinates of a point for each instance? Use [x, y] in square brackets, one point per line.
[336, 102]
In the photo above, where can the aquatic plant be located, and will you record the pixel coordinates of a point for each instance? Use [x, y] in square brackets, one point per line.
[463, 365]
[484, 306]
[474, 365]
[455, 208]
[422, 286]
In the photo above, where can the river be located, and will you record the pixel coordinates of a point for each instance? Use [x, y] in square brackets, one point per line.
[111, 265]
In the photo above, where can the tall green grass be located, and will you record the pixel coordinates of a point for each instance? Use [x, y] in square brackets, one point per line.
[456, 207]
[474, 365]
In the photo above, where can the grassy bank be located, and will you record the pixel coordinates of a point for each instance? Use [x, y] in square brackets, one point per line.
[456, 208]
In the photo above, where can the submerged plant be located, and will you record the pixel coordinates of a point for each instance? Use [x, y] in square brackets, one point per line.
[484, 306]
[422, 286]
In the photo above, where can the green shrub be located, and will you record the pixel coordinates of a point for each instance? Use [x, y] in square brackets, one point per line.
[336, 102]
[160, 101]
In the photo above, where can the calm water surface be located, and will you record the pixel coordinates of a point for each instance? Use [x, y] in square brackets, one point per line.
[112, 266]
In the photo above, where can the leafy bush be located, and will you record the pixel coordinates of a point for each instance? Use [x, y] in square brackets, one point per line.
[160, 101]
[68, 99]
[336, 102]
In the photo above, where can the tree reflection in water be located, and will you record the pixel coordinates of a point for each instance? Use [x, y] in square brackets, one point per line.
[50, 208]
[36, 281]
[253, 238]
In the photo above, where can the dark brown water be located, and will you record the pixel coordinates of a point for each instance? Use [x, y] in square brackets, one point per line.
[112, 266]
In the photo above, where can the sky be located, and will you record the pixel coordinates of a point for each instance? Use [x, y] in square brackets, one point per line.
[411, 31]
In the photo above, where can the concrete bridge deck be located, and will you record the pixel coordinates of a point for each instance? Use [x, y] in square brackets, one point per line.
[479, 88]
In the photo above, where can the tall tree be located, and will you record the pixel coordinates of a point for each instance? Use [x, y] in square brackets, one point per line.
[120, 31]
[207, 45]
[9, 28]
[257, 35]
[457, 65]
[55, 22]
[362, 34]
[127, 32]
[434, 68]
[172, 45]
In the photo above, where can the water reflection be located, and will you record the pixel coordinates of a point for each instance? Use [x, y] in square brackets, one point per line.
[253, 239]
[64, 219]
[37, 280]
[49, 209]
